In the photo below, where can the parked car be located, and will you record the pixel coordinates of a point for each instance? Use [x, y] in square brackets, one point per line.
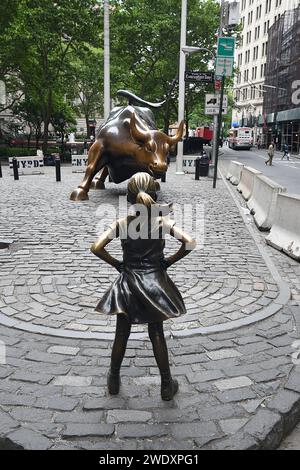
[19, 141]
[49, 160]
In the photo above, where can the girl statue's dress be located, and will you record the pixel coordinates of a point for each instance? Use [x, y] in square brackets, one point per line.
[143, 291]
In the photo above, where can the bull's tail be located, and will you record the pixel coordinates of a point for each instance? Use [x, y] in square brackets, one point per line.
[132, 99]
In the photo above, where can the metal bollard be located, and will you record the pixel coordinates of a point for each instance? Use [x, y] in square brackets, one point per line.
[57, 168]
[15, 168]
[164, 177]
[197, 168]
[0, 170]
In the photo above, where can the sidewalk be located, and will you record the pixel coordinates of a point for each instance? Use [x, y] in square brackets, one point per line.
[239, 388]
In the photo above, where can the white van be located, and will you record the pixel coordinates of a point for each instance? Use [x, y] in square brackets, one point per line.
[241, 138]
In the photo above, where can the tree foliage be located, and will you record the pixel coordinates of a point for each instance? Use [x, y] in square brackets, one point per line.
[52, 53]
[41, 39]
[145, 46]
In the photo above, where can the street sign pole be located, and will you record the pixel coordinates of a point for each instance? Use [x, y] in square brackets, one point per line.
[219, 133]
[214, 149]
[106, 60]
[181, 97]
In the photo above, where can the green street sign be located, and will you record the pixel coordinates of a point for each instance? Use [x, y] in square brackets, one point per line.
[226, 47]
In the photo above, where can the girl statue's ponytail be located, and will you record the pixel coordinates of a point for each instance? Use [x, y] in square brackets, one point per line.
[142, 189]
[145, 199]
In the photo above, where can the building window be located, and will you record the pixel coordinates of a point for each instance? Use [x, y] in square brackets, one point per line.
[258, 12]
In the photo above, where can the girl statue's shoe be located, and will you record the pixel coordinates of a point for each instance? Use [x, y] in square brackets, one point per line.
[169, 388]
[113, 383]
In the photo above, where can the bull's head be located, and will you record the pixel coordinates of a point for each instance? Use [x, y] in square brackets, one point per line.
[154, 146]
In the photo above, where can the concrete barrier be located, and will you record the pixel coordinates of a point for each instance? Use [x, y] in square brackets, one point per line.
[246, 183]
[234, 172]
[262, 202]
[285, 231]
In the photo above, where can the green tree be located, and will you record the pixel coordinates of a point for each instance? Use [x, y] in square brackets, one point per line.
[49, 32]
[87, 76]
[8, 71]
[145, 46]
[29, 111]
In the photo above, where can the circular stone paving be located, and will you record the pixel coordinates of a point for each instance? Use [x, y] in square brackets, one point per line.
[49, 278]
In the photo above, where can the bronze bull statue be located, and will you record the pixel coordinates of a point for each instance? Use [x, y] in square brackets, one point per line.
[127, 143]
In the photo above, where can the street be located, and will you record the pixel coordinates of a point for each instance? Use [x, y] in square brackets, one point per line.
[286, 173]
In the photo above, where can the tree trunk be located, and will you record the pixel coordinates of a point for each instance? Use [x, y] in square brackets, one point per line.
[47, 118]
[29, 137]
[87, 119]
[166, 123]
[167, 117]
[37, 136]
[46, 133]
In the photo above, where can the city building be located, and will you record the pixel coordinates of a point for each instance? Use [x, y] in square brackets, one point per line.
[281, 107]
[257, 18]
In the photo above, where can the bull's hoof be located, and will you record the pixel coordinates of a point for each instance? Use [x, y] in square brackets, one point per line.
[79, 194]
[97, 184]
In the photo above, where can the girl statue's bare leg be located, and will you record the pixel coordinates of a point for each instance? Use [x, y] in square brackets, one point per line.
[169, 386]
[123, 329]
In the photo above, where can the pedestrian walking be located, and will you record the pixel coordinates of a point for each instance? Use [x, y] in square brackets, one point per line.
[143, 293]
[285, 152]
[270, 154]
[85, 147]
[258, 143]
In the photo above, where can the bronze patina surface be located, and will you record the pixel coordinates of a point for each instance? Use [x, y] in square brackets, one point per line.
[127, 143]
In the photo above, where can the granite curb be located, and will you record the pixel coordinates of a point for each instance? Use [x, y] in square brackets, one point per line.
[267, 429]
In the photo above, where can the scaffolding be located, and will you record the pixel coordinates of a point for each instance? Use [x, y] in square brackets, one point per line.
[282, 80]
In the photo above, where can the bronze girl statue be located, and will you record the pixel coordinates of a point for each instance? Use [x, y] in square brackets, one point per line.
[143, 292]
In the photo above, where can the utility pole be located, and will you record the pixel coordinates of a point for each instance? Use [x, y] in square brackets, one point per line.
[214, 149]
[219, 132]
[216, 121]
[181, 98]
[106, 60]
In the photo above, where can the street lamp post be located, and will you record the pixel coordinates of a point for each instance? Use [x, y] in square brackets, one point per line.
[106, 60]
[2, 93]
[179, 158]
[191, 50]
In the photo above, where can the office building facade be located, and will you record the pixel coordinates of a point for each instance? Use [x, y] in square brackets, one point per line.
[257, 18]
[281, 106]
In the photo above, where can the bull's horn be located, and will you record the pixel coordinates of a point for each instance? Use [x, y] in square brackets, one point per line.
[178, 136]
[137, 134]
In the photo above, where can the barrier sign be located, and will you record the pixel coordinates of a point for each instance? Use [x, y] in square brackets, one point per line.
[28, 165]
[79, 163]
[212, 104]
[189, 163]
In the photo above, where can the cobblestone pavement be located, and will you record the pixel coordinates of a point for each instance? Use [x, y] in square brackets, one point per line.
[239, 389]
[50, 279]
